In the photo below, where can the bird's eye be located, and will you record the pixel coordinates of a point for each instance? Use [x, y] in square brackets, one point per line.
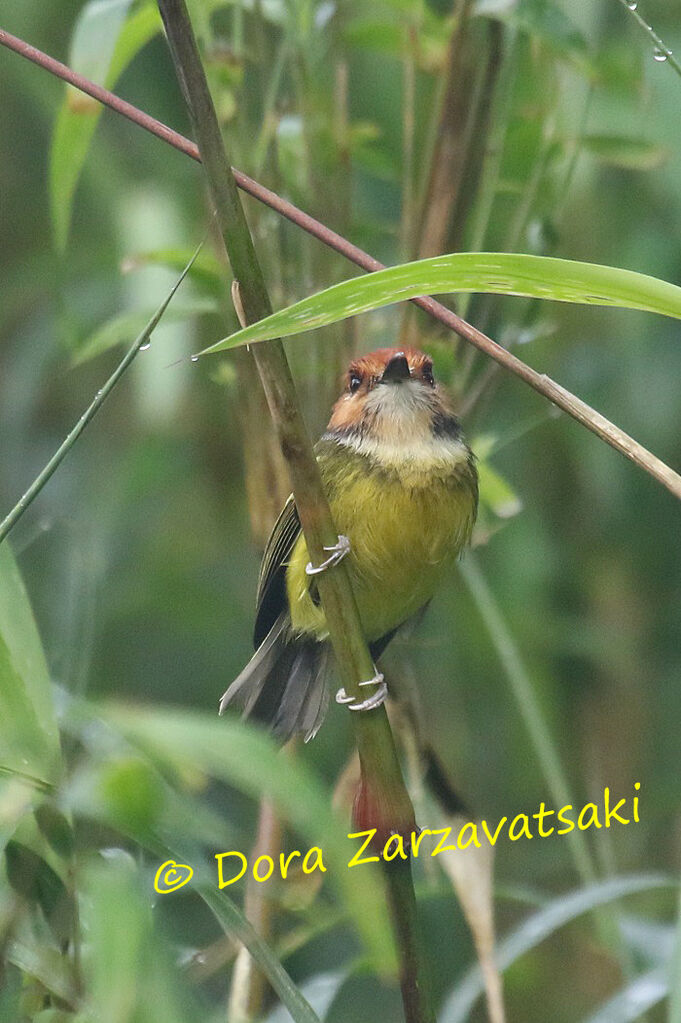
[355, 382]
[428, 375]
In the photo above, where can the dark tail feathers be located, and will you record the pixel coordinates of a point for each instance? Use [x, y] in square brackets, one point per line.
[284, 683]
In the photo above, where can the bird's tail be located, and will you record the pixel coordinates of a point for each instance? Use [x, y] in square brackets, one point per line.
[284, 683]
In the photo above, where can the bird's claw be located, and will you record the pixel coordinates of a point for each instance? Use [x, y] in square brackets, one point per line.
[371, 702]
[337, 552]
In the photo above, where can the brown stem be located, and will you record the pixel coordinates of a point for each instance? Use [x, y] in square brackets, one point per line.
[540, 382]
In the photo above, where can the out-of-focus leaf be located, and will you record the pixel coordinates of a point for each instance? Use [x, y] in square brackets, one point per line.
[320, 991]
[540, 926]
[103, 45]
[634, 999]
[559, 280]
[29, 739]
[206, 270]
[46, 964]
[129, 966]
[496, 493]
[56, 829]
[34, 879]
[628, 153]
[377, 35]
[244, 757]
[125, 327]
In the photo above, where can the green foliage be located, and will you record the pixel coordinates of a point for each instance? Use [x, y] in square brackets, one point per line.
[105, 40]
[548, 665]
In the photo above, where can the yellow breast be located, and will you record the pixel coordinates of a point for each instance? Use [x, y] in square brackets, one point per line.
[407, 515]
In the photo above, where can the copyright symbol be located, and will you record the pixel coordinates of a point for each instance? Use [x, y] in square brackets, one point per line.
[171, 875]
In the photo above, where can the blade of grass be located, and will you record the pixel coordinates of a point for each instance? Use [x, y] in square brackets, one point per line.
[91, 411]
[540, 926]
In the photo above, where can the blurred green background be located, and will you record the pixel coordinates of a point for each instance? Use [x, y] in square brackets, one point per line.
[139, 557]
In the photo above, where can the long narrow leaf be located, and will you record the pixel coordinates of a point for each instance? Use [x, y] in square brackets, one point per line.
[538, 927]
[559, 280]
[29, 739]
[243, 757]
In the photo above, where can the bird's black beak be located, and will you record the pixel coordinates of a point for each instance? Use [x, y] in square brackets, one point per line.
[397, 370]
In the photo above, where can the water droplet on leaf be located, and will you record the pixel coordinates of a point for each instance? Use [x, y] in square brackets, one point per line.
[659, 55]
[195, 358]
[147, 344]
[632, 5]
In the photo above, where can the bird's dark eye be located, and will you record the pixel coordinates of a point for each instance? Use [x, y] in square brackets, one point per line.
[428, 375]
[355, 382]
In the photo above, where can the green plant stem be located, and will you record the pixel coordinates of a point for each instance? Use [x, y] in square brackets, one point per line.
[664, 50]
[378, 756]
[526, 701]
[102, 394]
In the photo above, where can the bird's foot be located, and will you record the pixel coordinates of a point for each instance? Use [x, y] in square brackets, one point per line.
[336, 554]
[371, 702]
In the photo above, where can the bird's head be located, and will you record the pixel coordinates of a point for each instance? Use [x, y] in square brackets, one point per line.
[391, 396]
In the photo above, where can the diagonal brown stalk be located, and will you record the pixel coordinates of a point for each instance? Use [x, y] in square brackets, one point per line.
[381, 774]
[540, 382]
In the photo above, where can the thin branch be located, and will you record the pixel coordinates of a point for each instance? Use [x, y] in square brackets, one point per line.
[102, 394]
[381, 774]
[540, 382]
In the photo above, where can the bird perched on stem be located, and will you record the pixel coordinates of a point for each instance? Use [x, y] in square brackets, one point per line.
[403, 490]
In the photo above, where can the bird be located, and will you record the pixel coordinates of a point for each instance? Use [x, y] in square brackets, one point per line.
[402, 486]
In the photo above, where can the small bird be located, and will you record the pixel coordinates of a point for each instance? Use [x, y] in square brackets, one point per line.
[403, 490]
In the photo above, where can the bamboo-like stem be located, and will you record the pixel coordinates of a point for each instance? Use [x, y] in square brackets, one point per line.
[91, 411]
[380, 766]
[540, 382]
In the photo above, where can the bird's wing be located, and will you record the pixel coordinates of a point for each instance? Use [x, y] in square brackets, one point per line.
[271, 600]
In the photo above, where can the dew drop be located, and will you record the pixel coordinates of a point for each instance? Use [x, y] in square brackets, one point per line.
[195, 358]
[632, 5]
[147, 344]
[659, 55]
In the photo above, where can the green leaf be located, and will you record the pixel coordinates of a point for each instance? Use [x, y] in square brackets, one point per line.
[103, 45]
[130, 967]
[628, 153]
[36, 881]
[29, 738]
[244, 757]
[560, 280]
[46, 964]
[496, 493]
[540, 926]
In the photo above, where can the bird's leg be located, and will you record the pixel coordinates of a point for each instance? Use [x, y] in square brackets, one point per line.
[371, 702]
[337, 553]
